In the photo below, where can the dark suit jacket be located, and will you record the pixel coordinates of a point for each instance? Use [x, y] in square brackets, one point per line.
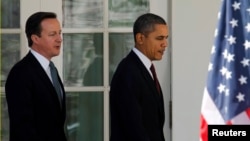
[34, 110]
[137, 111]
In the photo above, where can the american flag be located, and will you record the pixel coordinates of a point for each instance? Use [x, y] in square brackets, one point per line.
[226, 97]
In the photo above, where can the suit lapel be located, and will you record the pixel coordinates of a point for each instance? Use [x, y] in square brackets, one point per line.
[144, 71]
[151, 84]
[38, 69]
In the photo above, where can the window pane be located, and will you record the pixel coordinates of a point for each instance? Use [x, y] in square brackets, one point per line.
[119, 46]
[10, 13]
[82, 13]
[122, 13]
[83, 59]
[85, 116]
[4, 119]
[10, 46]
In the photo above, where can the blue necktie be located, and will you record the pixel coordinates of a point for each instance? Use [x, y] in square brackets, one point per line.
[54, 76]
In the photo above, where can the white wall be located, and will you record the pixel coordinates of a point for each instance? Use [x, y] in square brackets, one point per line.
[193, 25]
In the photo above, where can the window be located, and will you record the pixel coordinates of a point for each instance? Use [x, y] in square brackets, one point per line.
[89, 59]
[10, 53]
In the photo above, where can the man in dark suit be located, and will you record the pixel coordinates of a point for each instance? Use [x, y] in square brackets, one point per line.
[137, 108]
[36, 111]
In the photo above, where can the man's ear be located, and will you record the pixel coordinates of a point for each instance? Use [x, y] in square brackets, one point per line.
[139, 38]
[34, 38]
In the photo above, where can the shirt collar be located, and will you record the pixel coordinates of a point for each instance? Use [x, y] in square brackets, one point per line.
[41, 59]
[147, 62]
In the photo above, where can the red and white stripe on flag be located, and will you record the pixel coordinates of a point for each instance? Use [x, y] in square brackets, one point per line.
[211, 115]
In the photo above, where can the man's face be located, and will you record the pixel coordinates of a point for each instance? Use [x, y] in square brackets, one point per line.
[153, 45]
[49, 42]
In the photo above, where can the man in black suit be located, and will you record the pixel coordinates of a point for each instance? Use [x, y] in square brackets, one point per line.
[137, 108]
[36, 111]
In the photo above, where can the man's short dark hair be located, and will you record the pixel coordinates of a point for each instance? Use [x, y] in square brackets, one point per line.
[145, 23]
[33, 24]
